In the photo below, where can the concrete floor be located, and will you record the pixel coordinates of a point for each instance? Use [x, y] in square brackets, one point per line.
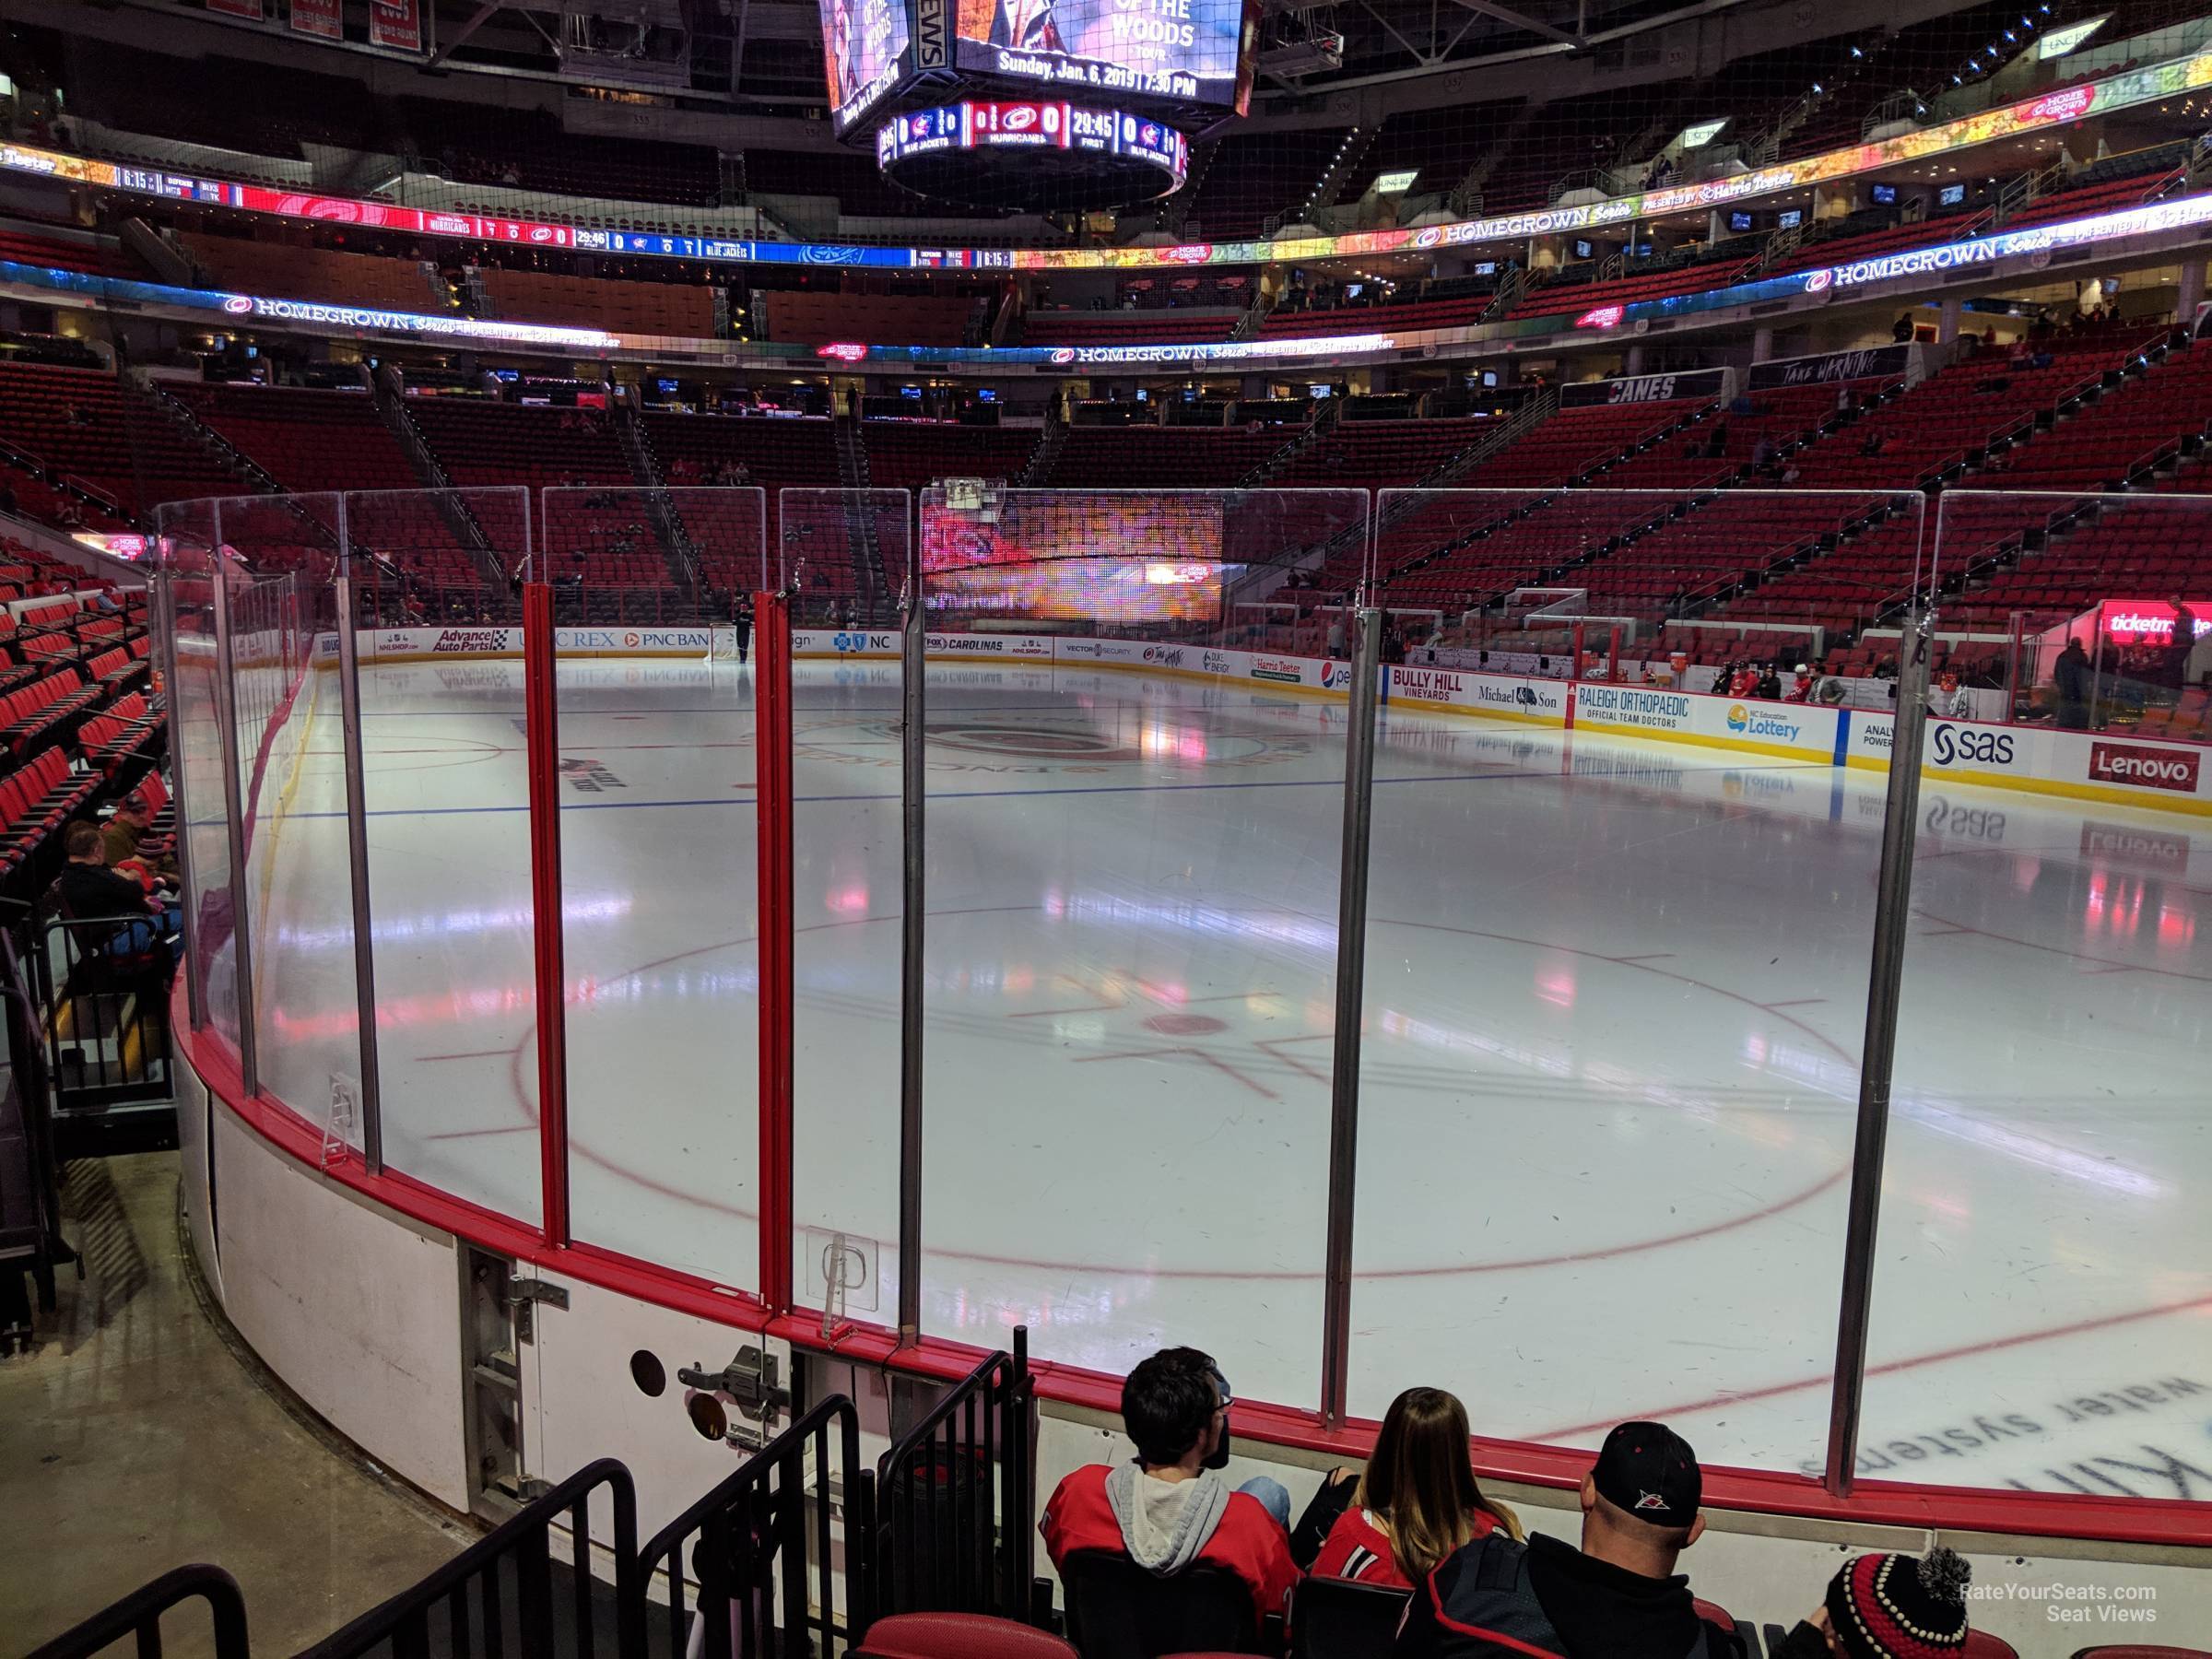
[139, 1435]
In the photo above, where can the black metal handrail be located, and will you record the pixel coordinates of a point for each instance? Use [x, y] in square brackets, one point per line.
[510, 1571]
[945, 1540]
[139, 1614]
[766, 1577]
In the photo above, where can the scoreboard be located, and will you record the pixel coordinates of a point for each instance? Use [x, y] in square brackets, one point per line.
[1114, 81]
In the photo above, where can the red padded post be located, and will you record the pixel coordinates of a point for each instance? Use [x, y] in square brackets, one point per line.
[772, 835]
[541, 727]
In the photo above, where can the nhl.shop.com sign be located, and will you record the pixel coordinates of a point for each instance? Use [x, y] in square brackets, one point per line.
[1645, 388]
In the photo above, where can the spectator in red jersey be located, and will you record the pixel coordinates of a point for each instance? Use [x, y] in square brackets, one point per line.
[1170, 1508]
[1801, 685]
[1416, 1502]
[1617, 1595]
[1744, 682]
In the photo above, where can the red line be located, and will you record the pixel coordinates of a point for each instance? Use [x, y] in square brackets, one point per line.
[1197, 1054]
[1964, 1351]
[2059, 950]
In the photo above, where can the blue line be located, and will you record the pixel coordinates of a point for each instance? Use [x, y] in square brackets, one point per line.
[1000, 795]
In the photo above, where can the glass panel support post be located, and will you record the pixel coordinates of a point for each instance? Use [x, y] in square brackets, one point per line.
[1892, 912]
[357, 857]
[1352, 987]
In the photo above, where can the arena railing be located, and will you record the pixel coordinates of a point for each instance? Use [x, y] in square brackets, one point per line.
[501, 1594]
[956, 1498]
[138, 1618]
[758, 1567]
[832, 1211]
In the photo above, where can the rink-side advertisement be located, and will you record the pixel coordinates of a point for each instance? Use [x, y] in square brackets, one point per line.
[2111, 766]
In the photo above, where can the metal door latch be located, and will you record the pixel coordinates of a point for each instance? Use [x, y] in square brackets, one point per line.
[523, 1293]
[751, 1378]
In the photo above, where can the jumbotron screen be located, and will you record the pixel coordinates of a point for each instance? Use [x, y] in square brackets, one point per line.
[1189, 51]
[1079, 560]
[863, 44]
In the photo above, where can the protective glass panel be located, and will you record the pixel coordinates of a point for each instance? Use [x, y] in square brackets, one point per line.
[1136, 805]
[1620, 910]
[2045, 1251]
[659, 873]
[292, 782]
[847, 885]
[446, 791]
[189, 543]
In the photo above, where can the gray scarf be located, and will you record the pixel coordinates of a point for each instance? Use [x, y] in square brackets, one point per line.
[1165, 1524]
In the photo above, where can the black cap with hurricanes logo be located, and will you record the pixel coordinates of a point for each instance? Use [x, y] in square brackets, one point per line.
[1650, 1471]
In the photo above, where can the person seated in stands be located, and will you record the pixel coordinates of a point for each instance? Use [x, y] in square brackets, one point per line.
[90, 891]
[1770, 683]
[1618, 1594]
[1170, 1507]
[1887, 1607]
[123, 839]
[1874, 443]
[1744, 682]
[1416, 1502]
[1901, 330]
[1801, 685]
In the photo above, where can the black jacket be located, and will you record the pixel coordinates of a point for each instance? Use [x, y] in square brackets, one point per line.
[89, 890]
[1495, 1598]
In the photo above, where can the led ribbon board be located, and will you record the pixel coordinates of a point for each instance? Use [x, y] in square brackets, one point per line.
[2140, 86]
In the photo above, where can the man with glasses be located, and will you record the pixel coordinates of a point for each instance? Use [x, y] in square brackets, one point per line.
[1170, 1507]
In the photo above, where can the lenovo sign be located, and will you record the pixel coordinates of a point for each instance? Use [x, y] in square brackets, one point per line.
[2145, 768]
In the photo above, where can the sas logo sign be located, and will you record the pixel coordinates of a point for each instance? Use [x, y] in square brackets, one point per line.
[2144, 768]
[1970, 746]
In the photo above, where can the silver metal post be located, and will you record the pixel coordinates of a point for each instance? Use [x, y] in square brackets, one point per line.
[913, 788]
[1893, 909]
[226, 721]
[164, 601]
[1351, 995]
[357, 850]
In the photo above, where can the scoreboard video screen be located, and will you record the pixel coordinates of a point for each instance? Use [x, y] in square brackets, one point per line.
[864, 45]
[1188, 51]
[1181, 52]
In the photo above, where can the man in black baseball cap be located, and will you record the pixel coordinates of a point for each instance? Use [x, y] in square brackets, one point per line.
[1617, 1597]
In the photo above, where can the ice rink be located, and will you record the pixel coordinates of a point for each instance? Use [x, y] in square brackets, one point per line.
[1615, 994]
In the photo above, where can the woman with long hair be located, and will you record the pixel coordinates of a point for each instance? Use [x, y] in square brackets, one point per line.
[1416, 1502]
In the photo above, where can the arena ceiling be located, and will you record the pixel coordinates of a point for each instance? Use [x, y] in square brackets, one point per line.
[767, 53]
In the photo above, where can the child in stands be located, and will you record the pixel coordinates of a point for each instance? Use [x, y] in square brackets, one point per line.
[1887, 1607]
[1416, 1502]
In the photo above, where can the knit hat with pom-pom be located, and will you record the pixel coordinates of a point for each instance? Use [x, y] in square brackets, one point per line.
[1900, 1607]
